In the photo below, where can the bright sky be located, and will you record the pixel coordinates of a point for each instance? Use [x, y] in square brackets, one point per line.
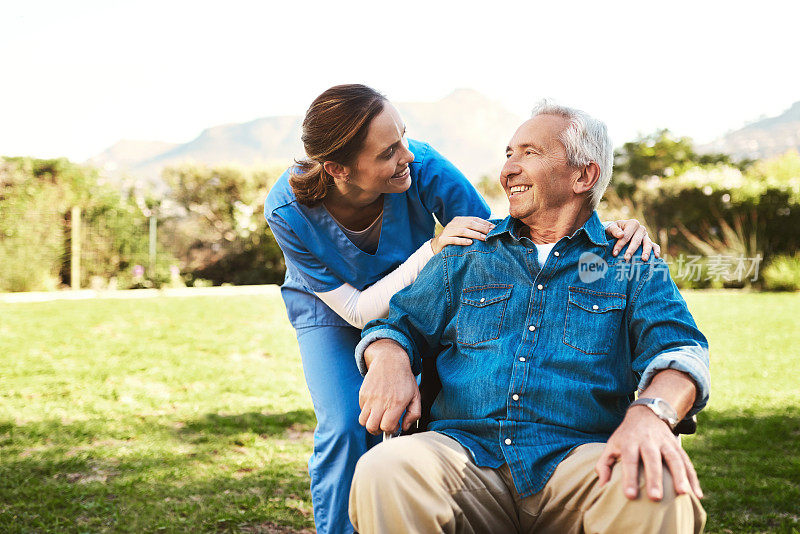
[78, 76]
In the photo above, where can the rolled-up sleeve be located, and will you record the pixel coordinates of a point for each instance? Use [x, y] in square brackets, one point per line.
[664, 334]
[375, 335]
[692, 360]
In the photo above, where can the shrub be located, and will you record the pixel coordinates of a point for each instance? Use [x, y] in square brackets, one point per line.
[222, 235]
[783, 273]
[115, 238]
[36, 197]
[31, 229]
[719, 210]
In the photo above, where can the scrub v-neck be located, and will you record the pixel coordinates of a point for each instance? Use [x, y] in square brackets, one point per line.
[385, 215]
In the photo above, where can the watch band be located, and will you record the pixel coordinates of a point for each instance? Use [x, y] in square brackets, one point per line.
[661, 408]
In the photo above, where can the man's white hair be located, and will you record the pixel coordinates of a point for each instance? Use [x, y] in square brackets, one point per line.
[586, 140]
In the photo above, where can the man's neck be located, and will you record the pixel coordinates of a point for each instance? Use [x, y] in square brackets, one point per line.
[549, 226]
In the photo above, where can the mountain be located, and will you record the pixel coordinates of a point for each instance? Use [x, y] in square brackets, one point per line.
[127, 153]
[465, 126]
[764, 138]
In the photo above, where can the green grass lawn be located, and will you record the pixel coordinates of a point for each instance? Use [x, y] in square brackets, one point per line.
[191, 414]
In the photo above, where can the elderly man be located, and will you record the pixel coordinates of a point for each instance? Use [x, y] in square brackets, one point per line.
[541, 337]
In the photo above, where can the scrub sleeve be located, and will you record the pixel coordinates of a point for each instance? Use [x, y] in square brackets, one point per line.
[319, 257]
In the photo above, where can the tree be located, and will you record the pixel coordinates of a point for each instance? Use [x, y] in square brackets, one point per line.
[221, 234]
[658, 154]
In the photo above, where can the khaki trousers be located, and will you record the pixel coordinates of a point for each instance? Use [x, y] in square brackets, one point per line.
[428, 483]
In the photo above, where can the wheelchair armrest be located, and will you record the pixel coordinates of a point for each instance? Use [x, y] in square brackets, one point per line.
[687, 426]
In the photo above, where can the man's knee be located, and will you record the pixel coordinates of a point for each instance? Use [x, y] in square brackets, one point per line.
[679, 512]
[383, 464]
[418, 483]
[672, 513]
[382, 489]
[669, 495]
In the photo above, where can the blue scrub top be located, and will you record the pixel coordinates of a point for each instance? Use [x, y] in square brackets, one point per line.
[319, 256]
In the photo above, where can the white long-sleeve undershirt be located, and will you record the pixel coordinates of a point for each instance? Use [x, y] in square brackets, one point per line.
[360, 307]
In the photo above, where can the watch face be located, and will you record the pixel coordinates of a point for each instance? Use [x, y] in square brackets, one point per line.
[662, 409]
[665, 411]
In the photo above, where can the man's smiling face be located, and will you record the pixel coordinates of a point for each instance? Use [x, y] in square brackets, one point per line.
[537, 176]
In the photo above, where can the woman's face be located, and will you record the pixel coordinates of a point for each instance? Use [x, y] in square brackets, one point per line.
[382, 166]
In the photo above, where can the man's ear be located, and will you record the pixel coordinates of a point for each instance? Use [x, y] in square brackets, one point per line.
[338, 171]
[590, 173]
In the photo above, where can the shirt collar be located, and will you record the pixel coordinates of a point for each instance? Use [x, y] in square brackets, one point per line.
[593, 229]
[506, 226]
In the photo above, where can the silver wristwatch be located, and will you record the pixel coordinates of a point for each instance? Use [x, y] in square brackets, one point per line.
[661, 408]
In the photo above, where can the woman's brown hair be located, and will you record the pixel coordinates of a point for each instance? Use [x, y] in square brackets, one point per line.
[334, 129]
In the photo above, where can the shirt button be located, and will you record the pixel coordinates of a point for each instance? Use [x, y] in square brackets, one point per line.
[508, 441]
[531, 328]
[515, 397]
[522, 358]
[540, 286]
[483, 300]
[555, 253]
[595, 307]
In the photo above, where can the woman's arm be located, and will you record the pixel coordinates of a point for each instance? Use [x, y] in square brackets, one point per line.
[360, 307]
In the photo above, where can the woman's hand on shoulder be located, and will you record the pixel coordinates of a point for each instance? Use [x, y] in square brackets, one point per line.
[633, 232]
[461, 231]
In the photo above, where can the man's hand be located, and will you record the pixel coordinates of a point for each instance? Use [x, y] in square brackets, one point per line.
[643, 435]
[389, 389]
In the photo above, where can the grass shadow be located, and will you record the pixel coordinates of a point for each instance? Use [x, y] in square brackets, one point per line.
[244, 472]
[110, 495]
[749, 466]
[251, 422]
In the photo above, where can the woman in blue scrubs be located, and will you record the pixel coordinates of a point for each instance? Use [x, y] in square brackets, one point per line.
[356, 223]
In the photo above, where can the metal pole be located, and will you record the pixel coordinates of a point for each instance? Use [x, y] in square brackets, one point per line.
[152, 247]
[75, 248]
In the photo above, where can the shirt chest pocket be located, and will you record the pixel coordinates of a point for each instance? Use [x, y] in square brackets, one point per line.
[481, 312]
[593, 320]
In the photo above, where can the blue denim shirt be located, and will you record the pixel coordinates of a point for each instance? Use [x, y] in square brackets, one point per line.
[535, 360]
